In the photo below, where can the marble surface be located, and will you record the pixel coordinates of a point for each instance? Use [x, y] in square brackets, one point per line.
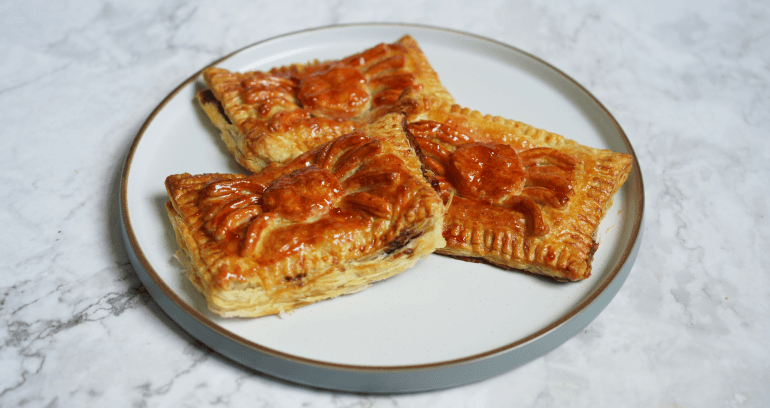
[689, 82]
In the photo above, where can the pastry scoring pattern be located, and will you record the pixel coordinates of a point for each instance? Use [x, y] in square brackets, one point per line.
[520, 197]
[340, 216]
[345, 185]
[343, 91]
[276, 115]
[495, 173]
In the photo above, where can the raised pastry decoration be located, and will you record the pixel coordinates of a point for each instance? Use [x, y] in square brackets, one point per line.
[343, 215]
[274, 116]
[521, 198]
[337, 92]
[495, 174]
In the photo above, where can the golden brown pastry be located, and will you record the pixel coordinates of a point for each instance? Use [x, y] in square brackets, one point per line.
[345, 214]
[274, 116]
[521, 198]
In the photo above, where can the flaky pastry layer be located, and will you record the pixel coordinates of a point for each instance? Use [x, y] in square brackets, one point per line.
[521, 197]
[274, 116]
[339, 217]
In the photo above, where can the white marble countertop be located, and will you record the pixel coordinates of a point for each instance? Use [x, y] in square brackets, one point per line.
[689, 81]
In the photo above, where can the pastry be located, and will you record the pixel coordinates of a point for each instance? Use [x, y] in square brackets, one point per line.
[521, 198]
[352, 211]
[274, 116]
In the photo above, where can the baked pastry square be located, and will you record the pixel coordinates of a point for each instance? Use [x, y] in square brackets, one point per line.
[347, 213]
[521, 198]
[271, 117]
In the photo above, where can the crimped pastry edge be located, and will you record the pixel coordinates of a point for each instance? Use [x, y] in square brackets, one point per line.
[419, 105]
[270, 147]
[229, 132]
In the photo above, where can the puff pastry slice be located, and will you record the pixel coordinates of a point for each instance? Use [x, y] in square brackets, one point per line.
[347, 213]
[274, 116]
[521, 198]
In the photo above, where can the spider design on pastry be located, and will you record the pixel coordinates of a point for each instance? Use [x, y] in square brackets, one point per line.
[495, 173]
[273, 116]
[520, 197]
[348, 177]
[335, 219]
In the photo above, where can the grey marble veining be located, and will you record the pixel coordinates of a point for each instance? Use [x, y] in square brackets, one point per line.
[689, 82]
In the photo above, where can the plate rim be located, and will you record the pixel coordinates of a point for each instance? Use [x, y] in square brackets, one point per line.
[132, 243]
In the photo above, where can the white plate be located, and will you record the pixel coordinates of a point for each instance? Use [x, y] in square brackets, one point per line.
[442, 323]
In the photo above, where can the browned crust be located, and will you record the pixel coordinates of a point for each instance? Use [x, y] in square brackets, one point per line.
[248, 134]
[412, 233]
[566, 253]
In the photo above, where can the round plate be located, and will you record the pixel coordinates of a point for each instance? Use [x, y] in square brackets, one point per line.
[439, 324]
